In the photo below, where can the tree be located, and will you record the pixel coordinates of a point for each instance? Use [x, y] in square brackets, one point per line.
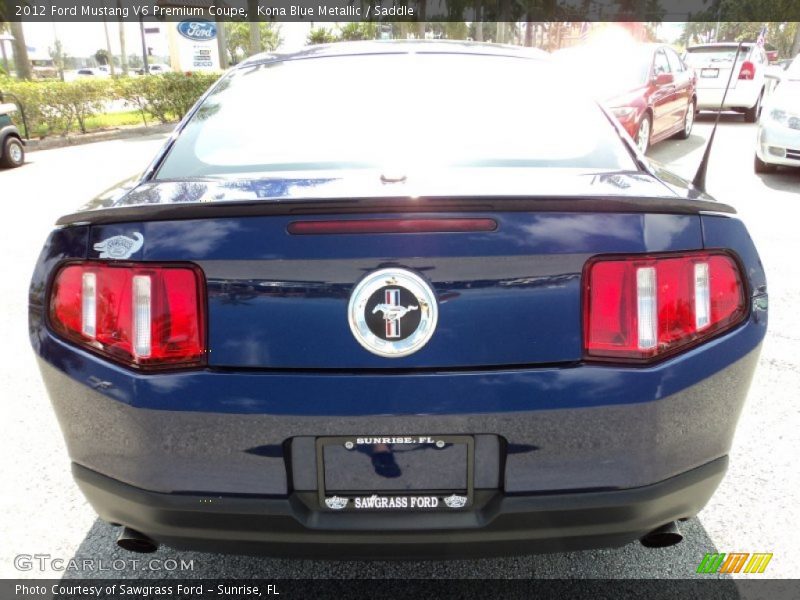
[237, 39]
[21, 60]
[59, 58]
[109, 54]
[358, 31]
[101, 56]
[320, 35]
[783, 36]
[255, 30]
[123, 58]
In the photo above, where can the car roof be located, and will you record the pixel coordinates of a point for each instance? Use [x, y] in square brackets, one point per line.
[373, 47]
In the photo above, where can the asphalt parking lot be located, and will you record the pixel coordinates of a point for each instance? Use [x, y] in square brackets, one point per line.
[757, 508]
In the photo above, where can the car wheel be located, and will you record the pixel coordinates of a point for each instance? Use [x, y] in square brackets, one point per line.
[643, 133]
[751, 114]
[688, 122]
[13, 153]
[763, 167]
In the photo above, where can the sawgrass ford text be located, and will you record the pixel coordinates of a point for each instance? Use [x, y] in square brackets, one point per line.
[143, 590]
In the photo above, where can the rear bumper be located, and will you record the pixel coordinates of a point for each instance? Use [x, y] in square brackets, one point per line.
[740, 97]
[499, 525]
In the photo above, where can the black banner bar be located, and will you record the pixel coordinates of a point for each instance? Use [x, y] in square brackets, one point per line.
[400, 589]
[401, 10]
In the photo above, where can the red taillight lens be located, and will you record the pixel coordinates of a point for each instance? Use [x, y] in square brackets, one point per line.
[647, 306]
[142, 315]
[748, 70]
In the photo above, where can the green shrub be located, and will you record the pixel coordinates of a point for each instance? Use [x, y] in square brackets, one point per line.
[133, 90]
[167, 97]
[57, 107]
[84, 98]
[180, 92]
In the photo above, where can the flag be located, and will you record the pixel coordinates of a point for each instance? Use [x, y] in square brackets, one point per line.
[762, 37]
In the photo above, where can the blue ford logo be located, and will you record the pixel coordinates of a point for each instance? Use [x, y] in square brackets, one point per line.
[197, 30]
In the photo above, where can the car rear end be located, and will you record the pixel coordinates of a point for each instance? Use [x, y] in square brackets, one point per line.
[713, 64]
[560, 344]
[778, 138]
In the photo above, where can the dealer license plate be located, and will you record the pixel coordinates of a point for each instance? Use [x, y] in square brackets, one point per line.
[395, 472]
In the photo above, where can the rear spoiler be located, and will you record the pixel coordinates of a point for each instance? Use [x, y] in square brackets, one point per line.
[210, 210]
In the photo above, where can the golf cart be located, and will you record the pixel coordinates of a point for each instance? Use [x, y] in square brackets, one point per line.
[12, 147]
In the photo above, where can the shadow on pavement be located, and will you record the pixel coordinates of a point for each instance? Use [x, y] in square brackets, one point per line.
[786, 179]
[631, 561]
[672, 150]
[725, 117]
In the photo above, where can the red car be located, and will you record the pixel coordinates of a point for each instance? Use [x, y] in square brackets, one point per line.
[647, 87]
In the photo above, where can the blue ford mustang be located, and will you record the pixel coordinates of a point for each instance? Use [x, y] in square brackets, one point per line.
[398, 299]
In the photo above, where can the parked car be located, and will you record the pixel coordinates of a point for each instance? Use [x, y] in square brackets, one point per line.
[647, 87]
[713, 64]
[91, 72]
[155, 69]
[778, 141]
[12, 148]
[515, 338]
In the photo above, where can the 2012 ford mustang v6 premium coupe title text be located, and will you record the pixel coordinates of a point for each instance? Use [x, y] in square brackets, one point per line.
[398, 299]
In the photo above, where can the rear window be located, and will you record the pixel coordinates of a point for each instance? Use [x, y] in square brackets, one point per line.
[715, 54]
[394, 111]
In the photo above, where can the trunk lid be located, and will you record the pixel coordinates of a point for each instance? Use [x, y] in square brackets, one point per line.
[507, 297]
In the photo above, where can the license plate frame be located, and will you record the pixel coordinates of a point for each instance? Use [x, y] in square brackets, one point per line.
[404, 501]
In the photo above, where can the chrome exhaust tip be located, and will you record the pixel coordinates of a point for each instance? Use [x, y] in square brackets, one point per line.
[133, 541]
[666, 535]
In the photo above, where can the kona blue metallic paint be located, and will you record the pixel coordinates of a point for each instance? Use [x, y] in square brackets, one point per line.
[543, 447]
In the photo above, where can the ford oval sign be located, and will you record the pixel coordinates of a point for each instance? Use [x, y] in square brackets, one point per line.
[197, 30]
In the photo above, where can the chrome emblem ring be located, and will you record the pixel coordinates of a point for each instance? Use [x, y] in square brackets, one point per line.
[392, 312]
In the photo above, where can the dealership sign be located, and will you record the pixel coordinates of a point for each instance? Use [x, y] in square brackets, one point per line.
[197, 30]
[196, 45]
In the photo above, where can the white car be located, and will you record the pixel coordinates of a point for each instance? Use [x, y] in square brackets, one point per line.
[778, 141]
[91, 72]
[156, 69]
[713, 64]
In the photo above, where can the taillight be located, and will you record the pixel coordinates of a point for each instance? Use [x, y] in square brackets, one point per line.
[748, 70]
[642, 307]
[143, 315]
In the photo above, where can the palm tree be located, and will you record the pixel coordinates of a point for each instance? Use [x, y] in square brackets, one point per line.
[21, 59]
[255, 30]
[123, 58]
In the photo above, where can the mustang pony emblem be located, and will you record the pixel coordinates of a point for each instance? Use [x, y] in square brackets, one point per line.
[391, 312]
[119, 246]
